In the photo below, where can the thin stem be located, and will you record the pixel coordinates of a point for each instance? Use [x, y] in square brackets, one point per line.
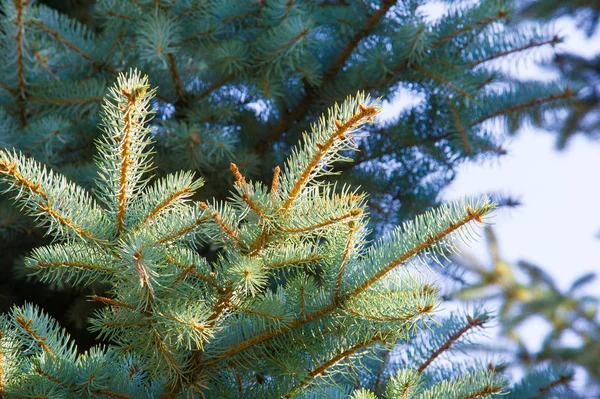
[500, 54]
[323, 149]
[441, 80]
[41, 341]
[461, 128]
[568, 93]
[322, 368]
[562, 380]
[21, 95]
[303, 106]
[476, 322]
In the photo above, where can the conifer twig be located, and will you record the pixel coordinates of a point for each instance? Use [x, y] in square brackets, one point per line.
[124, 145]
[179, 90]
[322, 368]
[471, 215]
[344, 261]
[21, 95]
[554, 40]
[327, 309]
[562, 380]
[461, 128]
[336, 135]
[472, 322]
[567, 93]
[486, 390]
[41, 341]
[441, 80]
[303, 106]
[500, 14]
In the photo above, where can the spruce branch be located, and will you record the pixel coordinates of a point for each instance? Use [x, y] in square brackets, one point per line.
[472, 323]
[567, 93]
[219, 327]
[20, 92]
[468, 28]
[533, 43]
[440, 79]
[336, 135]
[320, 369]
[460, 126]
[303, 106]
[123, 161]
[563, 379]
[41, 193]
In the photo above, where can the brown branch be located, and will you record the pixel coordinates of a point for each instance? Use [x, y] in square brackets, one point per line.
[486, 390]
[302, 108]
[10, 168]
[179, 90]
[312, 258]
[294, 39]
[344, 261]
[128, 126]
[183, 231]
[471, 215]
[328, 222]
[255, 312]
[49, 265]
[215, 86]
[221, 223]
[68, 222]
[322, 368]
[257, 339]
[53, 379]
[568, 93]
[531, 44]
[379, 378]
[182, 275]
[421, 309]
[500, 14]
[69, 45]
[461, 128]
[562, 380]
[476, 322]
[441, 80]
[195, 36]
[370, 23]
[21, 95]
[114, 394]
[41, 341]
[191, 269]
[165, 203]
[112, 302]
[275, 182]
[338, 134]
[188, 9]
[111, 13]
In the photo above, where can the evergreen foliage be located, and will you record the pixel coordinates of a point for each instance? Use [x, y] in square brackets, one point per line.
[177, 325]
[239, 80]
